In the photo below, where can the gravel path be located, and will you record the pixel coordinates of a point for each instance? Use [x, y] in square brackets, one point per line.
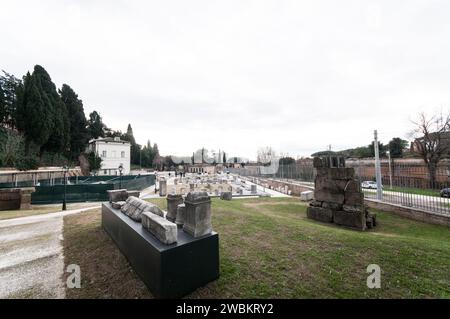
[31, 259]
[31, 256]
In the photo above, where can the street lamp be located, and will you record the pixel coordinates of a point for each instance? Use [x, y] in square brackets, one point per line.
[66, 170]
[120, 171]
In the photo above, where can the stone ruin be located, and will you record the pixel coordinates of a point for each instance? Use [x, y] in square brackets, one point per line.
[193, 216]
[16, 198]
[337, 195]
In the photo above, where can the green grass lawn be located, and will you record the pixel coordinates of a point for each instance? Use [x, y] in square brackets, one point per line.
[269, 249]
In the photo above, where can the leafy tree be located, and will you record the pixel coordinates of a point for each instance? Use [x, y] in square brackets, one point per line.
[96, 128]
[397, 146]
[9, 85]
[224, 158]
[78, 133]
[95, 161]
[381, 149]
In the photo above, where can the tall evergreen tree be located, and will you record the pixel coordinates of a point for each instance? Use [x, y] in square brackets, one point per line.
[78, 134]
[96, 128]
[32, 113]
[57, 113]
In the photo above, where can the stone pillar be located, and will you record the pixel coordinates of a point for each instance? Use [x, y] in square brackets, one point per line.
[173, 200]
[197, 219]
[162, 187]
[181, 211]
[253, 189]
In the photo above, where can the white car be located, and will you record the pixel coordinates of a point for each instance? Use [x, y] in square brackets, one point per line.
[369, 184]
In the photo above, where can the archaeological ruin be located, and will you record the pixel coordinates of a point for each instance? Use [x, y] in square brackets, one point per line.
[338, 197]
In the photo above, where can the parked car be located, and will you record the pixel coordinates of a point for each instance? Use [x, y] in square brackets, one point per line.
[445, 192]
[369, 184]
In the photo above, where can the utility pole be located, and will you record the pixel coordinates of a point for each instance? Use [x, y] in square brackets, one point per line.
[377, 167]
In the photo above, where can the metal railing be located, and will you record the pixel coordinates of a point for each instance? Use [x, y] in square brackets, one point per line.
[408, 185]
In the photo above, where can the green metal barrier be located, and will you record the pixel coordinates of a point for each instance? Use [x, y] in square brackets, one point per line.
[85, 191]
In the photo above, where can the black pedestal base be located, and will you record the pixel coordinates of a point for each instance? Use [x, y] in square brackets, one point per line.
[169, 271]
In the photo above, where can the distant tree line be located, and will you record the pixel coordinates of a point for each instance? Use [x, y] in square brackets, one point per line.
[43, 125]
[396, 147]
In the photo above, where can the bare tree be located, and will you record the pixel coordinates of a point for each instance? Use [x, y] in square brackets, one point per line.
[265, 154]
[432, 141]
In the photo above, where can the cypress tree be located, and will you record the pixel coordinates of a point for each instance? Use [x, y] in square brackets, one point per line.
[57, 113]
[32, 113]
[78, 134]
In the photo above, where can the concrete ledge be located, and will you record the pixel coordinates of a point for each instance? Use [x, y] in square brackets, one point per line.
[409, 212]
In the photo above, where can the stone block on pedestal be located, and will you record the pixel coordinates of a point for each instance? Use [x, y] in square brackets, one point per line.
[197, 218]
[165, 231]
[173, 200]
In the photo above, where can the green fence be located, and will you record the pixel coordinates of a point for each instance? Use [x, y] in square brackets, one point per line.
[88, 188]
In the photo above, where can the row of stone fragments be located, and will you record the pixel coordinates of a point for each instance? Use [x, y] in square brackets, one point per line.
[192, 214]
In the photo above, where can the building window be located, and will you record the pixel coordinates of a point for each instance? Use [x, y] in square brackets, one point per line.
[122, 154]
[103, 153]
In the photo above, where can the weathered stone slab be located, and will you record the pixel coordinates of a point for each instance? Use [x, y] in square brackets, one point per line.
[316, 203]
[181, 211]
[117, 205]
[226, 195]
[164, 230]
[353, 198]
[332, 206]
[117, 195]
[134, 207]
[326, 196]
[320, 214]
[134, 193]
[356, 220]
[337, 172]
[197, 219]
[173, 200]
[307, 196]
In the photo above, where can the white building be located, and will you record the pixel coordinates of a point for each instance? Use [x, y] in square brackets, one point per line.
[113, 152]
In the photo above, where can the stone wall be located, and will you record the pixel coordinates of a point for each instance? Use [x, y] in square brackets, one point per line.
[15, 198]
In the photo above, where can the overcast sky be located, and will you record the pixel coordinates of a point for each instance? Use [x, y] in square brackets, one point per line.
[235, 75]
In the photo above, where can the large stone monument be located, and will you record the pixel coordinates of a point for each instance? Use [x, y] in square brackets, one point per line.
[197, 218]
[337, 195]
[173, 200]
